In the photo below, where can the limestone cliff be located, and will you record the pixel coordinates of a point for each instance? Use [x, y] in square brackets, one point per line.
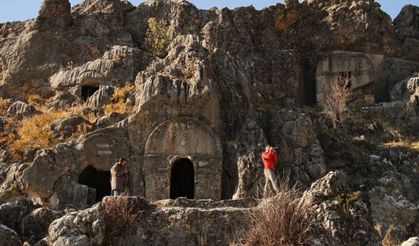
[182, 91]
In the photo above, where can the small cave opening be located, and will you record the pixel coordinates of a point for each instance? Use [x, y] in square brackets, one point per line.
[87, 91]
[310, 90]
[98, 180]
[182, 179]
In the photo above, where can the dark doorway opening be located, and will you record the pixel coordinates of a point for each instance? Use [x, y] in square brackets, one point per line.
[87, 91]
[310, 90]
[98, 180]
[182, 179]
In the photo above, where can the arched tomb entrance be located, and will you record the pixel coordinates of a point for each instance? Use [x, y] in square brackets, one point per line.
[182, 158]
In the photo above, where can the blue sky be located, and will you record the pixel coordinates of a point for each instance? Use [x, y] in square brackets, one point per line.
[11, 10]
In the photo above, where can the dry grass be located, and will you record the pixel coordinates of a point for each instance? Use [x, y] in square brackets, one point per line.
[35, 131]
[336, 98]
[281, 220]
[3, 106]
[119, 98]
[122, 93]
[121, 215]
[35, 100]
[414, 146]
[116, 107]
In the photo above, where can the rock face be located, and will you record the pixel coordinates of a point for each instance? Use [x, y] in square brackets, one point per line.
[393, 196]
[407, 22]
[407, 90]
[226, 83]
[55, 13]
[8, 237]
[26, 219]
[210, 104]
[119, 63]
[66, 127]
[111, 119]
[101, 97]
[348, 29]
[169, 224]
[406, 25]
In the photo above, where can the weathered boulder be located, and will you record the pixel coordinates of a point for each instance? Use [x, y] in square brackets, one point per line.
[10, 188]
[250, 168]
[115, 66]
[20, 109]
[40, 177]
[299, 147]
[12, 213]
[393, 195]
[340, 214]
[407, 90]
[101, 97]
[407, 21]
[332, 184]
[134, 220]
[66, 127]
[413, 241]
[27, 219]
[406, 24]
[62, 100]
[34, 226]
[9, 237]
[250, 173]
[110, 119]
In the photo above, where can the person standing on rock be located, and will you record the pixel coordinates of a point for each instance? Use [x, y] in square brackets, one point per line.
[119, 176]
[269, 158]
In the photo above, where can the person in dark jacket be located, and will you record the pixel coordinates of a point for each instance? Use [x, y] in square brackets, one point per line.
[119, 176]
[270, 158]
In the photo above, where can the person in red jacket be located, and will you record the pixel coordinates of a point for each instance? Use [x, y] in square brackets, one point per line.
[270, 158]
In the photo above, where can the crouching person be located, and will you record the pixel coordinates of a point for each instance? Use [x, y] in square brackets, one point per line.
[119, 176]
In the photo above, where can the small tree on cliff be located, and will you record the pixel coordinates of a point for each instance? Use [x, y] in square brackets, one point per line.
[336, 99]
[158, 36]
